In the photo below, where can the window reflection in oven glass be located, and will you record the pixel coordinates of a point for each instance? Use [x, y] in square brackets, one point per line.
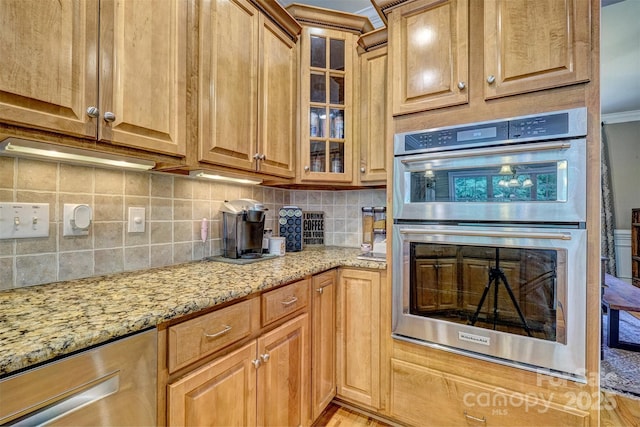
[460, 283]
[521, 182]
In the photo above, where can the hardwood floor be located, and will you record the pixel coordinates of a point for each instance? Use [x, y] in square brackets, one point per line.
[336, 415]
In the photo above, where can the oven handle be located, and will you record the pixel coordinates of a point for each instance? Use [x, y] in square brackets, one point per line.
[496, 233]
[488, 151]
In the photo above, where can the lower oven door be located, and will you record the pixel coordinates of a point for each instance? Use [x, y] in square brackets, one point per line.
[513, 295]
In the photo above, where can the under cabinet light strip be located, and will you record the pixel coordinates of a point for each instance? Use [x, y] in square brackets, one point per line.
[39, 150]
[215, 177]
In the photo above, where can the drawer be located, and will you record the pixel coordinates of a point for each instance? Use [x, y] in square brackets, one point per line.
[204, 335]
[283, 301]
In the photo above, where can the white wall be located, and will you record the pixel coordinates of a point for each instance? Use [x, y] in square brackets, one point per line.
[624, 155]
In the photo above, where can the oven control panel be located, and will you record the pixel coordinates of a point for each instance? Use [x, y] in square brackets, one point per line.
[560, 124]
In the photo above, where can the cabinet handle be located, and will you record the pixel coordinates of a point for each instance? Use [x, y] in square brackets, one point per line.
[109, 117]
[265, 357]
[471, 417]
[93, 112]
[461, 85]
[491, 79]
[363, 170]
[226, 329]
[320, 290]
[256, 363]
[290, 301]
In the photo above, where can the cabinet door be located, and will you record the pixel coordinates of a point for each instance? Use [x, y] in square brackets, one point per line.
[228, 55]
[283, 377]
[48, 76]
[429, 55]
[373, 115]
[323, 350]
[456, 401]
[221, 393]
[277, 90]
[326, 128]
[358, 340]
[143, 60]
[535, 44]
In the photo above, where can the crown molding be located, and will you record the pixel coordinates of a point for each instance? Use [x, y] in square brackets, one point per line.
[625, 116]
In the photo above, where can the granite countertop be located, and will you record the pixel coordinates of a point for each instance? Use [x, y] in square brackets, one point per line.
[40, 323]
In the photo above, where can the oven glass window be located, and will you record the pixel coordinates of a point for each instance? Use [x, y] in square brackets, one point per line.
[518, 291]
[537, 182]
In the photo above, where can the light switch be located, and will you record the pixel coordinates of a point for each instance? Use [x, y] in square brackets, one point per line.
[136, 220]
[24, 220]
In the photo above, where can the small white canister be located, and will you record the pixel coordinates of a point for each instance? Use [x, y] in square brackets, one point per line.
[277, 246]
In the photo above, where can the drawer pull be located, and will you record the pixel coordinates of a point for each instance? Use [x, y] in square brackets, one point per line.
[472, 418]
[290, 301]
[226, 329]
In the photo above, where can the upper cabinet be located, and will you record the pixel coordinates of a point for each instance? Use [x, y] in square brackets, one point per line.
[429, 44]
[328, 77]
[247, 89]
[373, 108]
[529, 45]
[535, 44]
[108, 70]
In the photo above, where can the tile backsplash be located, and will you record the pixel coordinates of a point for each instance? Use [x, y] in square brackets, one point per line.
[174, 208]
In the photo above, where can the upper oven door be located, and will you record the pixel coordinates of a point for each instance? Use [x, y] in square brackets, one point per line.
[529, 182]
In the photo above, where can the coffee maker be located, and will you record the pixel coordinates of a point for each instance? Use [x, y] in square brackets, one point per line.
[242, 228]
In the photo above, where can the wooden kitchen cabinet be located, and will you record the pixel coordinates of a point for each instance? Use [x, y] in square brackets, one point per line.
[535, 44]
[108, 70]
[221, 393]
[284, 374]
[374, 124]
[529, 45]
[323, 347]
[247, 89]
[359, 337]
[263, 383]
[328, 78]
[423, 396]
[262, 376]
[429, 54]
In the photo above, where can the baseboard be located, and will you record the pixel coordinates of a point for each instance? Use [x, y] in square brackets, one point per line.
[366, 412]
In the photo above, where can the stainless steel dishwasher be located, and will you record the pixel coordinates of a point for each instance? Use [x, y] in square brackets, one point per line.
[110, 385]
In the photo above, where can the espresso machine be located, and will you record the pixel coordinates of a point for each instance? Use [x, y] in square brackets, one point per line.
[242, 228]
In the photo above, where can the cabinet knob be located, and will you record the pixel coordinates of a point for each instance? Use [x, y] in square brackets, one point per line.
[461, 85]
[362, 170]
[306, 168]
[491, 79]
[93, 112]
[263, 156]
[265, 357]
[256, 156]
[320, 290]
[109, 117]
[256, 363]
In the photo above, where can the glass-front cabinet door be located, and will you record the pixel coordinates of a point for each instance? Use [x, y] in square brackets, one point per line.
[326, 124]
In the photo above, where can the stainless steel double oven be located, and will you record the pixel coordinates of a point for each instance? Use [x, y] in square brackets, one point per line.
[489, 240]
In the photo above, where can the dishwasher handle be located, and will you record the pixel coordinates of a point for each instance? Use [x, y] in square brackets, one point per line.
[74, 400]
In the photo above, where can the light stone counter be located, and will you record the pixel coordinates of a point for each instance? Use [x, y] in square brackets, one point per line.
[39, 323]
